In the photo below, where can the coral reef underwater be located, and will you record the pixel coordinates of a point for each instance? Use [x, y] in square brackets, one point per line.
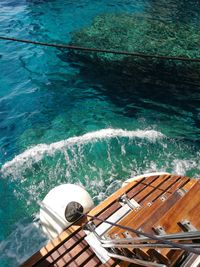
[143, 34]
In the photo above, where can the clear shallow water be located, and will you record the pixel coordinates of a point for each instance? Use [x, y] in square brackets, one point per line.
[96, 129]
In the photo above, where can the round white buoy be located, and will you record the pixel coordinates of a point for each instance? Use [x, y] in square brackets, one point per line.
[62, 206]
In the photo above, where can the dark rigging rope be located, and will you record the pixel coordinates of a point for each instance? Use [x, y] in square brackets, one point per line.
[107, 51]
[153, 237]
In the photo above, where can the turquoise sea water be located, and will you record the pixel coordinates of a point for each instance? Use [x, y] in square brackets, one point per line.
[62, 121]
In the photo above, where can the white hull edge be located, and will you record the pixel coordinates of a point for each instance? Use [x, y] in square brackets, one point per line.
[145, 175]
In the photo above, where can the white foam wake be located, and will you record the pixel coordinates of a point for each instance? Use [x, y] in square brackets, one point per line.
[36, 153]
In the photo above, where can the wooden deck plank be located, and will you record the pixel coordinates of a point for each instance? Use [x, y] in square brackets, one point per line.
[130, 193]
[173, 255]
[184, 208]
[66, 247]
[162, 189]
[51, 246]
[157, 214]
[66, 257]
[114, 197]
[59, 252]
[179, 184]
[156, 211]
[84, 257]
[155, 192]
[89, 264]
[70, 258]
[153, 188]
[189, 184]
[112, 263]
[142, 186]
[149, 215]
[141, 196]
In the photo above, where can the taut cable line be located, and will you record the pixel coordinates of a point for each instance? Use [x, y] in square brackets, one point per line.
[99, 50]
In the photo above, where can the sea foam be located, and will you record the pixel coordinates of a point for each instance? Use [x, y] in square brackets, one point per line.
[36, 153]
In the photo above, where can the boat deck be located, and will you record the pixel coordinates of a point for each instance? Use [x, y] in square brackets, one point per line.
[164, 200]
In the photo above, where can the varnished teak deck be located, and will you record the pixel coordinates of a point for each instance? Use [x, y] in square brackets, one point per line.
[162, 204]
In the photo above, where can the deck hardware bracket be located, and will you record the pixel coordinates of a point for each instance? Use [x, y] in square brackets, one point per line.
[140, 229]
[90, 226]
[163, 198]
[181, 192]
[115, 249]
[187, 225]
[127, 235]
[106, 236]
[159, 230]
[115, 236]
[133, 204]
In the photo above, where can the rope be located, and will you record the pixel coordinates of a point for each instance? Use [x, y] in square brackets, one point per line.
[107, 51]
[153, 237]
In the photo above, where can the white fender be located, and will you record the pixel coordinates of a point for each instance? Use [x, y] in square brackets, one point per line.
[133, 179]
[58, 209]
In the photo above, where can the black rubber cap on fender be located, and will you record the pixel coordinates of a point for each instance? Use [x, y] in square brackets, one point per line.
[73, 211]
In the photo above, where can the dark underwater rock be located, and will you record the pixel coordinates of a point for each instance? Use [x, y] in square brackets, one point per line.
[143, 34]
